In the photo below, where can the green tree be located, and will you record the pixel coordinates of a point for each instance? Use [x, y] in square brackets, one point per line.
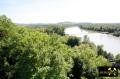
[73, 41]
[86, 39]
[77, 69]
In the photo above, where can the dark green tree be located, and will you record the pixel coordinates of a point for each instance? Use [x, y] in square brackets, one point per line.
[77, 69]
[73, 41]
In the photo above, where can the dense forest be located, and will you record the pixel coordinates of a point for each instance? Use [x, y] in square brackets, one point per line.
[45, 52]
[111, 28]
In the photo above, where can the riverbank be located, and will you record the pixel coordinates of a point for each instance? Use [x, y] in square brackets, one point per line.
[109, 33]
[110, 43]
[113, 34]
[106, 28]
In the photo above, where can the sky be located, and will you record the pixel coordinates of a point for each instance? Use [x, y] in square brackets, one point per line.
[53, 11]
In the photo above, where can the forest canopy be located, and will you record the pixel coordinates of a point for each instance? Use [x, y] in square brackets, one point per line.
[47, 53]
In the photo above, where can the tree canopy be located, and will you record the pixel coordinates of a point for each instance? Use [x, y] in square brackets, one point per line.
[38, 53]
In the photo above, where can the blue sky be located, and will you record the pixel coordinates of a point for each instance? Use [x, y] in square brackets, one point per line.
[52, 11]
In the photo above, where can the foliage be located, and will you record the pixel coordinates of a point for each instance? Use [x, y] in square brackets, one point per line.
[101, 52]
[86, 39]
[114, 28]
[73, 41]
[117, 61]
[45, 53]
[77, 69]
[50, 29]
[117, 58]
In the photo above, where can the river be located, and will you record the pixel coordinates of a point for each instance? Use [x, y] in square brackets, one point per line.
[110, 43]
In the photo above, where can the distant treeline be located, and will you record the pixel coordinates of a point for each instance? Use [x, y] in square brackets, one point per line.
[49, 29]
[112, 28]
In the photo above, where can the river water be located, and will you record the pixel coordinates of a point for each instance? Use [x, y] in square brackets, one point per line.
[110, 43]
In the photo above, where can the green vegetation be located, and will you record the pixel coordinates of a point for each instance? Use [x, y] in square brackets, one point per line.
[46, 53]
[113, 29]
[73, 41]
[51, 29]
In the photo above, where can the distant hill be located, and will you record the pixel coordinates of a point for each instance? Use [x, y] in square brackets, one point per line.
[67, 23]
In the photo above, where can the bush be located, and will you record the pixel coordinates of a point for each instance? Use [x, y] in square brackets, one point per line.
[73, 41]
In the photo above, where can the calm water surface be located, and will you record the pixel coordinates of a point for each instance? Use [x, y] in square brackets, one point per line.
[110, 43]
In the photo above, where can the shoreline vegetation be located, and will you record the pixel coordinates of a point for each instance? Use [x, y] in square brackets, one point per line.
[112, 29]
[45, 52]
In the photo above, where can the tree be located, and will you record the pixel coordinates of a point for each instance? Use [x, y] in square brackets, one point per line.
[73, 41]
[117, 58]
[77, 69]
[86, 39]
[6, 33]
[31, 53]
[100, 51]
